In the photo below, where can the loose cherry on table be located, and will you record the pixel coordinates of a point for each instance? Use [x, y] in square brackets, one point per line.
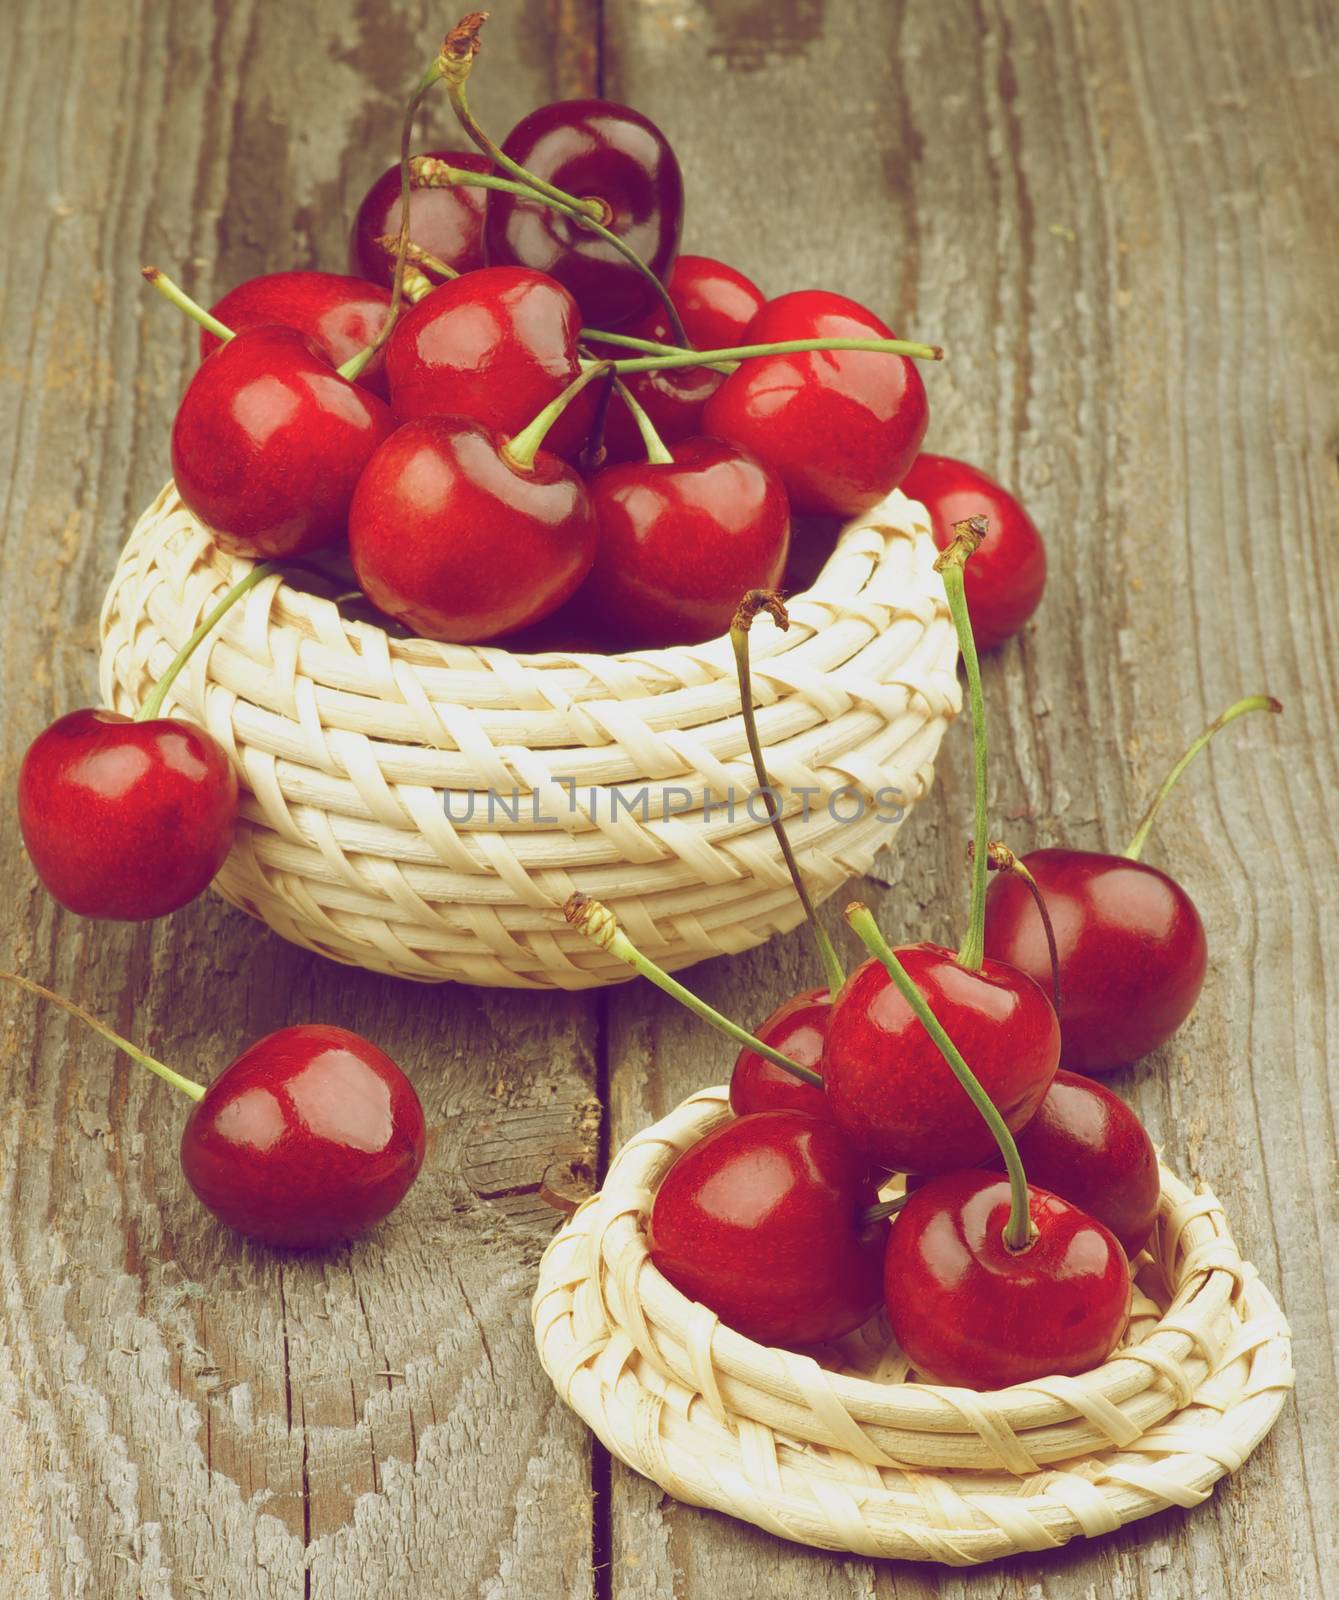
[129, 820]
[311, 1136]
[447, 223]
[839, 427]
[1131, 946]
[765, 1221]
[463, 534]
[1007, 574]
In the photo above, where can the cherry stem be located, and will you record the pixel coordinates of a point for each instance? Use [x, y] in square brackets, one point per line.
[1000, 858]
[780, 347]
[753, 603]
[416, 282]
[154, 704]
[656, 453]
[1255, 702]
[600, 926]
[625, 341]
[967, 536]
[187, 1085]
[1018, 1232]
[885, 1208]
[594, 455]
[521, 450]
[178, 297]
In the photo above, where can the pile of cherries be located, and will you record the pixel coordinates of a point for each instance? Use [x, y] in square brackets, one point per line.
[1027, 1188]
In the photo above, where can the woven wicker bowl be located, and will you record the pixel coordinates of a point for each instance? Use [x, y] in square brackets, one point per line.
[844, 1452]
[347, 738]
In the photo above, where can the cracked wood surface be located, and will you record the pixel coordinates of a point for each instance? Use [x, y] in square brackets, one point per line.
[1116, 217]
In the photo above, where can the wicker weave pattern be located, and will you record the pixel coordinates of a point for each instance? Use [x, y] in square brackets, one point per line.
[850, 1454]
[346, 739]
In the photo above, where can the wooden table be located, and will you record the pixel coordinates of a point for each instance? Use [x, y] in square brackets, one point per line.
[1119, 218]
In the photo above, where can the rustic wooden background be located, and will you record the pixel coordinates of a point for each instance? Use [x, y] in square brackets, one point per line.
[1119, 217]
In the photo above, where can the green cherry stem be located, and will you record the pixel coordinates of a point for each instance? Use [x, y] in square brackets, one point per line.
[967, 536]
[600, 926]
[1018, 1231]
[755, 602]
[781, 347]
[1000, 858]
[154, 704]
[416, 281]
[177, 296]
[1255, 702]
[656, 453]
[521, 450]
[649, 347]
[187, 1085]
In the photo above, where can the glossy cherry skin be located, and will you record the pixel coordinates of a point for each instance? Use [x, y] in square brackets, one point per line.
[340, 315]
[1131, 946]
[798, 1029]
[127, 820]
[892, 1092]
[269, 441]
[311, 1136]
[447, 223]
[592, 149]
[495, 347]
[761, 1222]
[459, 544]
[715, 302]
[1006, 575]
[682, 541]
[839, 427]
[970, 1312]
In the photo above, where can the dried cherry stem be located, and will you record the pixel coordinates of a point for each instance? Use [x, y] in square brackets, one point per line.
[187, 1085]
[967, 537]
[594, 454]
[656, 452]
[600, 926]
[1018, 1232]
[755, 602]
[418, 263]
[1000, 858]
[520, 450]
[154, 704]
[1254, 702]
[780, 347]
[885, 1208]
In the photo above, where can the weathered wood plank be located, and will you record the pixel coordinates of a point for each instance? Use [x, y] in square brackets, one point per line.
[181, 1414]
[1103, 212]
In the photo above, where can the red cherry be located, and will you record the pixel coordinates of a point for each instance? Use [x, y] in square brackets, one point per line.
[1006, 576]
[269, 441]
[969, 1311]
[448, 222]
[1131, 947]
[762, 1222]
[340, 315]
[839, 427]
[592, 149]
[310, 1136]
[124, 819]
[494, 347]
[797, 1029]
[680, 541]
[716, 303]
[892, 1092]
[459, 543]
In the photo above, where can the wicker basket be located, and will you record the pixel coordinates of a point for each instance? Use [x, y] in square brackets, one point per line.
[845, 1453]
[347, 738]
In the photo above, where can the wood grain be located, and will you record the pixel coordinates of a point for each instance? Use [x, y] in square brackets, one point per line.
[1116, 217]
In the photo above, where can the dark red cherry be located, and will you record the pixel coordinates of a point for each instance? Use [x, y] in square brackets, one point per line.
[123, 819]
[1005, 577]
[716, 303]
[1131, 947]
[340, 315]
[969, 1311]
[448, 222]
[839, 427]
[891, 1090]
[681, 541]
[797, 1029]
[762, 1222]
[592, 150]
[459, 543]
[269, 442]
[674, 399]
[311, 1136]
[494, 347]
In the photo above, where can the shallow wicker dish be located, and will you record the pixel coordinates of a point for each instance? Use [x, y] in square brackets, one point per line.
[347, 738]
[846, 1453]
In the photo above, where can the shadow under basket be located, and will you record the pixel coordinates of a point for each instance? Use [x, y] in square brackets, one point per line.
[842, 1449]
[425, 809]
